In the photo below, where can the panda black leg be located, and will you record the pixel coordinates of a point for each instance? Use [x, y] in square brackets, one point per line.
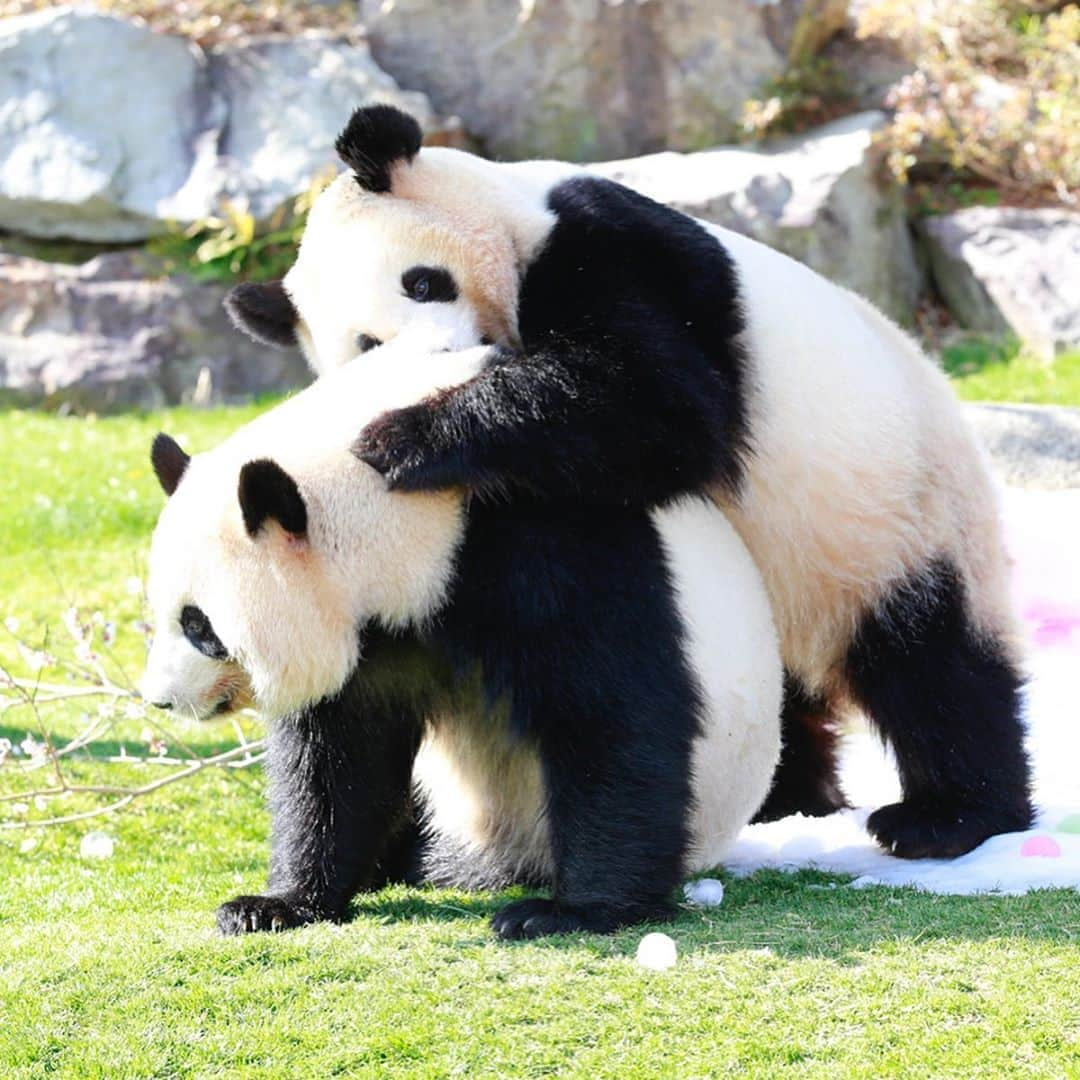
[948, 701]
[806, 779]
[340, 776]
[618, 805]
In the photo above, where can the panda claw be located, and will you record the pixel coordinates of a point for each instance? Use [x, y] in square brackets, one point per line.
[916, 830]
[257, 914]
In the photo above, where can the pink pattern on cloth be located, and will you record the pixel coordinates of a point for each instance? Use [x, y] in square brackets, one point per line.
[1045, 846]
[1049, 625]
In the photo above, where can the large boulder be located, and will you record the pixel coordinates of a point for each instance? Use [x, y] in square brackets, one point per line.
[287, 100]
[1003, 270]
[819, 197]
[580, 79]
[103, 335]
[106, 128]
[109, 130]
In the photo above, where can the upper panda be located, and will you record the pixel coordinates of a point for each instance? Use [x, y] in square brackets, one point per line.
[639, 355]
[565, 695]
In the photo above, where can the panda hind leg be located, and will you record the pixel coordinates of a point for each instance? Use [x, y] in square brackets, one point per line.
[806, 779]
[618, 810]
[947, 699]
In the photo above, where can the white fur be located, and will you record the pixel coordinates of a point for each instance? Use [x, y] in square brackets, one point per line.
[734, 654]
[288, 611]
[863, 468]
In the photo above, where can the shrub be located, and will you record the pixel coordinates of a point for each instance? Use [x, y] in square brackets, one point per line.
[233, 246]
[995, 95]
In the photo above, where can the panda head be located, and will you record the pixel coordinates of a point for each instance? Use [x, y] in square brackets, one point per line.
[426, 243]
[278, 546]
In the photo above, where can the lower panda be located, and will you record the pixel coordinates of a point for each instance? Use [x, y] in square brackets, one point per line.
[582, 699]
[638, 356]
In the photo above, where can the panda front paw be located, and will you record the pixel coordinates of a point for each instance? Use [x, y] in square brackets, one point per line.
[400, 446]
[528, 919]
[256, 914]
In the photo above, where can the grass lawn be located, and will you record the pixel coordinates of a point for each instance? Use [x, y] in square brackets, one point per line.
[112, 968]
[993, 371]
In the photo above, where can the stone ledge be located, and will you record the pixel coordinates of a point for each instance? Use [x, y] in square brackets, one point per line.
[1032, 446]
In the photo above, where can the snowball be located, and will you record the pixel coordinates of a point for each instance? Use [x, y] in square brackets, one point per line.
[96, 845]
[656, 952]
[708, 892]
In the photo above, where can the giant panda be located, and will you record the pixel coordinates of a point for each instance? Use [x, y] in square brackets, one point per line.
[579, 697]
[639, 355]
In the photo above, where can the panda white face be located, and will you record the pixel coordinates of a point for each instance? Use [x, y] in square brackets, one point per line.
[190, 669]
[373, 269]
[435, 261]
[276, 547]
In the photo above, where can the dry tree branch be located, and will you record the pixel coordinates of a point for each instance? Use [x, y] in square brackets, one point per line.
[94, 680]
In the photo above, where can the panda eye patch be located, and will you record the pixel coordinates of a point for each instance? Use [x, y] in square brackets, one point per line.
[200, 633]
[429, 284]
[365, 342]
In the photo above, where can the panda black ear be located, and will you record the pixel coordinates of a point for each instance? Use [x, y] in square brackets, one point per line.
[266, 491]
[264, 311]
[374, 139]
[169, 461]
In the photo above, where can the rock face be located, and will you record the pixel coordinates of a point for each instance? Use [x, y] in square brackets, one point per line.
[580, 79]
[1032, 446]
[105, 127]
[109, 130]
[1010, 270]
[102, 336]
[818, 198]
[287, 100]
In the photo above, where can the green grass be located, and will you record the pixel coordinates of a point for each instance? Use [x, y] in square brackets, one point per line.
[113, 968]
[983, 370]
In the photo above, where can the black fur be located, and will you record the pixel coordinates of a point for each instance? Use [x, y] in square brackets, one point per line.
[264, 311]
[169, 461]
[630, 387]
[612, 717]
[200, 632]
[340, 793]
[807, 779]
[266, 491]
[948, 701]
[376, 138]
[429, 285]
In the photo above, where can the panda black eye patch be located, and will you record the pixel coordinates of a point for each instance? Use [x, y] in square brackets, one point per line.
[200, 633]
[429, 284]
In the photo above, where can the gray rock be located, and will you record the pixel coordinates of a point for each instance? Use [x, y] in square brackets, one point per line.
[1013, 271]
[104, 336]
[819, 198]
[579, 79]
[288, 98]
[108, 130]
[1032, 446]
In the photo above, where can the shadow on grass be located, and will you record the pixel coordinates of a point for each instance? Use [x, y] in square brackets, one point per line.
[802, 914]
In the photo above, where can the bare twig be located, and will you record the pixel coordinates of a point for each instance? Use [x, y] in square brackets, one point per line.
[94, 681]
